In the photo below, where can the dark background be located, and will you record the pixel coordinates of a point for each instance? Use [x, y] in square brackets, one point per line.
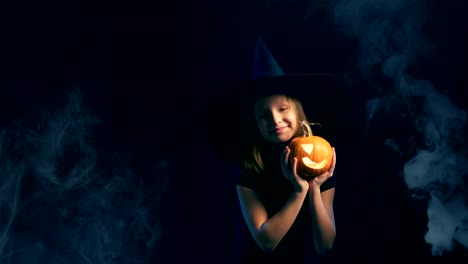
[148, 69]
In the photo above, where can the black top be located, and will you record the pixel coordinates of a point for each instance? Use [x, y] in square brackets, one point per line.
[274, 189]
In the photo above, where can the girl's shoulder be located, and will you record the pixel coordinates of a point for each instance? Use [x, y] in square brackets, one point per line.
[240, 175]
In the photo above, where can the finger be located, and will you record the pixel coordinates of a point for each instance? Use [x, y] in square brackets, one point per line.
[332, 167]
[294, 171]
[324, 176]
[294, 167]
[283, 155]
[334, 156]
[286, 155]
[319, 178]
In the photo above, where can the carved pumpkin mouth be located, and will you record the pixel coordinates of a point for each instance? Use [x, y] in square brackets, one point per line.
[312, 164]
[309, 148]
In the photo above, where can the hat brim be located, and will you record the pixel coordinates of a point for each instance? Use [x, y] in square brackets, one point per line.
[226, 119]
[300, 86]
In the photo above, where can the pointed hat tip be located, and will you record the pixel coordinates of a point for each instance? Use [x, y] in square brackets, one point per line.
[265, 64]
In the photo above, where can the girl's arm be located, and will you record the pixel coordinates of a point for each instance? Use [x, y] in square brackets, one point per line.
[321, 210]
[268, 230]
[323, 219]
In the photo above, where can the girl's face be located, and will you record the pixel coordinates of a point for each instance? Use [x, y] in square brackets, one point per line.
[276, 118]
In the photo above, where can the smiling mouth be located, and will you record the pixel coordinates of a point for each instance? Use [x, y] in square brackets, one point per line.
[279, 130]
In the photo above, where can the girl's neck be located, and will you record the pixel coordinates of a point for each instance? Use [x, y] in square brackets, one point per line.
[276, 147]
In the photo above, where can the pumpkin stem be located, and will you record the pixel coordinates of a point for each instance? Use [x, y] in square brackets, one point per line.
[306, 128]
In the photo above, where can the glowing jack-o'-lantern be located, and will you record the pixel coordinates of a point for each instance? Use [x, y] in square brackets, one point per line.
[314, 155]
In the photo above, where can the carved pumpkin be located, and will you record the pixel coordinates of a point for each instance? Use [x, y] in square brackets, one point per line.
[314, 155]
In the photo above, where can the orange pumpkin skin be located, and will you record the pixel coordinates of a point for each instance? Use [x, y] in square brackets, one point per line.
[314, 155]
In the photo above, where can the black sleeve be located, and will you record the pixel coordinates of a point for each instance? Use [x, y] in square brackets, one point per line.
[329, 183]
[242, 177]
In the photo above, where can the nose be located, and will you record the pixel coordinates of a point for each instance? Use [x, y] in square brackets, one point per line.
[276, 118]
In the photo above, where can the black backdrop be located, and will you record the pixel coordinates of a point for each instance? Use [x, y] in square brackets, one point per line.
[148, 69]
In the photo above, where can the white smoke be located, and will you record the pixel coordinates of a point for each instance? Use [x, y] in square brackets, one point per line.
[391, 40]
[440, 169]
[60, 204]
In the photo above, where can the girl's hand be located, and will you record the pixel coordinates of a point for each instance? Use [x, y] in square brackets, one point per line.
[290, 172]
[317, 181]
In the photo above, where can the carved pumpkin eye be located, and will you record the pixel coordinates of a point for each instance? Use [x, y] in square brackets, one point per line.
[314, 155]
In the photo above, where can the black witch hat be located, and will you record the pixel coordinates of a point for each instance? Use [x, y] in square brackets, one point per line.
[228, 120]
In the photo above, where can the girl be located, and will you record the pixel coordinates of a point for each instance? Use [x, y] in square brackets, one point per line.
[287, 218]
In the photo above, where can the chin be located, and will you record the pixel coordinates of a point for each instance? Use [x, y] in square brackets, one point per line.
[281, 140]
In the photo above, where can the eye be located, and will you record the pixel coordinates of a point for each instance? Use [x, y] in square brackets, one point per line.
[282, 109]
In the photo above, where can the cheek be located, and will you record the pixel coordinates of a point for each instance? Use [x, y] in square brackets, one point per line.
[262, 126]
[291, 117]
[294, 129]
[294, 123]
